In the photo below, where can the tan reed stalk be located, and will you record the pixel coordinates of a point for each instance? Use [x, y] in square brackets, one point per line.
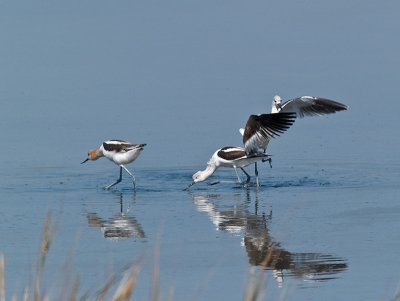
[155, 283]
[2, 279]
[47, 238]
[127, 284]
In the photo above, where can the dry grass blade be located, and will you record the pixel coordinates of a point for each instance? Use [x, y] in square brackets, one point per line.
[155, 284]
[48, 234]
[103, 291]
[26, 295]
[74, 293]
[2, 279]
[36, 290]
[396, 295]
[111, 281]
[127, 284]
[171, 294]
[255, 290]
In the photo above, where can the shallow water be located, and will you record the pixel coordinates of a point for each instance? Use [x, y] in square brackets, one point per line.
[183, 76]
[315, 231]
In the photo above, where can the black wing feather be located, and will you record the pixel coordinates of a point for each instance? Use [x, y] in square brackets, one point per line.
[268, 125]
[261, 128]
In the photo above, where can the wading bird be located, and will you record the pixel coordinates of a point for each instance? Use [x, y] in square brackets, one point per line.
[302, 106]
[258, 132]
[120, 152]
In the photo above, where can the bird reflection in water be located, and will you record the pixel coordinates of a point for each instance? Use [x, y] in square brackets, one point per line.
[119, 226]
[262, 250]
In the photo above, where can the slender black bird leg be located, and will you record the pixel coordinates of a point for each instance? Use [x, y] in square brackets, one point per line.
[268, 160]
[117, 181]
[248, 176]
[256, 173]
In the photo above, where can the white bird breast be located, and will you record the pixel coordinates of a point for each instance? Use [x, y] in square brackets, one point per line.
[122, 157]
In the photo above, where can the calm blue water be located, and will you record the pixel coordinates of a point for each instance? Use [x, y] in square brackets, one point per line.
[330, 228]
[183, 77]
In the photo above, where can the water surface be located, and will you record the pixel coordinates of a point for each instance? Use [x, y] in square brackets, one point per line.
[312, 231]
[183, 77]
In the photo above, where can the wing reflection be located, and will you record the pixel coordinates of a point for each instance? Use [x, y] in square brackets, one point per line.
[119, 226]
[262, 250]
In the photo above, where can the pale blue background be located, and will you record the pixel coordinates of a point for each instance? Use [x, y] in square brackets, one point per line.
[183, 76]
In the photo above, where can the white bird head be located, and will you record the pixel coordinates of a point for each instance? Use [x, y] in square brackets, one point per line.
[202, 175]
[277, 99]
[276, 104]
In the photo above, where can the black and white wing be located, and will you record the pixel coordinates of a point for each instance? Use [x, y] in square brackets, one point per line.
[261, 128]
[120, 146]
[311, 106]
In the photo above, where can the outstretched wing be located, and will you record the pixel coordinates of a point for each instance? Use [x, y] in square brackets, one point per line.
[261, 128]
[311, 106]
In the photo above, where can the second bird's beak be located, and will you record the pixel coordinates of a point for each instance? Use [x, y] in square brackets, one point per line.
[191, 184]
[85, 161]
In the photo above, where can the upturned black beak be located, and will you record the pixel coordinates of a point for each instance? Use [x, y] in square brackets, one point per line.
[85, 161]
